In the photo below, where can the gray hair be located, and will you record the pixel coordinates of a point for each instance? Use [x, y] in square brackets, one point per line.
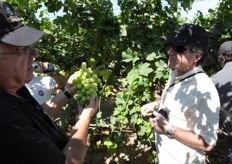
[203, 57]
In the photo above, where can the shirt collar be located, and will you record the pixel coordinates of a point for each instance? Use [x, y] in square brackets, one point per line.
[227, 65]
[174, 79]
[9, 97]
[194, 70]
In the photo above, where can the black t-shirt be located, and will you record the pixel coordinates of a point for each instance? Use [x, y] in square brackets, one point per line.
[27, 134]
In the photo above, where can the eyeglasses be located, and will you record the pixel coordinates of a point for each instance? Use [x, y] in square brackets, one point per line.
[181, 49]
[28, 50]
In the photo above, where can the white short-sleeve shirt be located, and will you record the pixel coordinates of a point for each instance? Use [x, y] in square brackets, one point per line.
[192, 103]
[41, 88]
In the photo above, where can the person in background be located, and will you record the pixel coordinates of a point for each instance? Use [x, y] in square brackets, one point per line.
[44, 86]
[47, 89]
[27, 133]
[187, 118]
[223, 82]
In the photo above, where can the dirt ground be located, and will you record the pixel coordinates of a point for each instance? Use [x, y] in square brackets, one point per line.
[127, 155]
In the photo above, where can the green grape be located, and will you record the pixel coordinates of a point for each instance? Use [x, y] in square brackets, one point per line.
[85, 74]
[83, 65]
[90, 71]
[88, 98]
[88, 92]
[83, 90]
[75, 82]
[94, 85]
[83, 100]
[86, 83]
[78, 79]
[79, 95]
[83, 82]
[92, 91]
[79, 73]
[92, 80]
[98, 81]
[86, 86]
[78, 86]
[95, 76]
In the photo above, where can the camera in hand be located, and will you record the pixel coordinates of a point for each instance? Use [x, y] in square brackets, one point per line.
[163, 112]
[37, 68]
[51, 68]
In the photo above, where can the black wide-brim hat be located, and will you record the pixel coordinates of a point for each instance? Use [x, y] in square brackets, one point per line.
[12, 31]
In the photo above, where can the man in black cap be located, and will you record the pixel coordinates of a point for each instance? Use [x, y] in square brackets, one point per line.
[27, 133]
[187, 119]
[223, 83]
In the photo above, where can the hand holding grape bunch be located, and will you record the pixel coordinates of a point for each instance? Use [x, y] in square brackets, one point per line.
[85, 83]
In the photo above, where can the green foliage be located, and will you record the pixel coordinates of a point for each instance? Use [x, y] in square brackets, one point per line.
[112, 147]
[125, 51]
[138, 90]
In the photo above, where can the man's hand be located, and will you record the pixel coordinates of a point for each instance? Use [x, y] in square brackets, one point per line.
[45, 67]
[69, 85]
[159, 123]
[89, 110]
[148, 109]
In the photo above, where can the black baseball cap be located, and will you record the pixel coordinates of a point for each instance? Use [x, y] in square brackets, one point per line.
[13, 31]
[189, 34]
[225, 48]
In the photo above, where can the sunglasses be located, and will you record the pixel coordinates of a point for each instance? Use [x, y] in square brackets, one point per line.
[180, 49]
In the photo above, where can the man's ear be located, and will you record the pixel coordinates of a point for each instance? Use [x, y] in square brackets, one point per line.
[222, 60]
[198, 56]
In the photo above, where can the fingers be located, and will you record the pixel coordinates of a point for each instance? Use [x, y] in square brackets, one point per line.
[158, 122]
[94, 102]
[153, 115]
[147, 110]
[154, 118]
[70, 79]
[90, 110]
[70, 86]
[79, 107]
[42, 66]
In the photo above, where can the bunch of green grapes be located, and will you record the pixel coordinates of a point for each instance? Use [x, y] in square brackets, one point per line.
[86, 83]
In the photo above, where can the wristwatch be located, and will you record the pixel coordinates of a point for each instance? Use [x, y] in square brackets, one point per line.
[67, 94]
[170, 131]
